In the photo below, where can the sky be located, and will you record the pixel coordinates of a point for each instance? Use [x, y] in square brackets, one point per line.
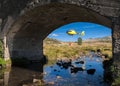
[92, 30]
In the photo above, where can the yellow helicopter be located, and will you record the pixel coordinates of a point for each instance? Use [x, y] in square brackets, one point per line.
[73, 32]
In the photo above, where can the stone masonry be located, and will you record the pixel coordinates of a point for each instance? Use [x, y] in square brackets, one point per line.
[25, 23]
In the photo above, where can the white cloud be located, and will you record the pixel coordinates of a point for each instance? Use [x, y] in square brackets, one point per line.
[54, 34]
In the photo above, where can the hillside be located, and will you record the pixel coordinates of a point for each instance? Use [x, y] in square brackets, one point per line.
[102, 39]
[51, 41]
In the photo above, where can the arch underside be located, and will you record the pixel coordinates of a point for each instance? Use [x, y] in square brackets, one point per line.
[25, 37]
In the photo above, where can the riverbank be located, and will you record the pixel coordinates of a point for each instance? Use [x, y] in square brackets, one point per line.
[54, 51]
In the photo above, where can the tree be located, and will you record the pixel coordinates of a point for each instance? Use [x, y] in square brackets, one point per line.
[79, 41]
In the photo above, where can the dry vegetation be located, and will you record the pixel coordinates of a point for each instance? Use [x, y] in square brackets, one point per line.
[63, 49]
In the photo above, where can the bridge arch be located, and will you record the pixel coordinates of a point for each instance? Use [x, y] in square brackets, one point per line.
[25, 36]
[59, 44]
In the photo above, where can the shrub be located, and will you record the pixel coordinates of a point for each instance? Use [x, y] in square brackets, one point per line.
[1, 49]
[79, 41]
[2, 61]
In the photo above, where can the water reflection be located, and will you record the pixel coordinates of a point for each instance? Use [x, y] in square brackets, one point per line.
[23, 74]
[19, 76]
[83, 71]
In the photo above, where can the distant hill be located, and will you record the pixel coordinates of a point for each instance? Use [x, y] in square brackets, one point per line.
[51, 41]
[102, 39]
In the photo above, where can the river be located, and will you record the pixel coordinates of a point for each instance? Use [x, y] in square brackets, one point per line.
[83, 71]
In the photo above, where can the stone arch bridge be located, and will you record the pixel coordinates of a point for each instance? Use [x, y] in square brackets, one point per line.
[25, 23]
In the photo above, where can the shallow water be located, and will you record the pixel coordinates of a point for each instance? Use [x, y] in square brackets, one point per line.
[75, 74]
[63, 76]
